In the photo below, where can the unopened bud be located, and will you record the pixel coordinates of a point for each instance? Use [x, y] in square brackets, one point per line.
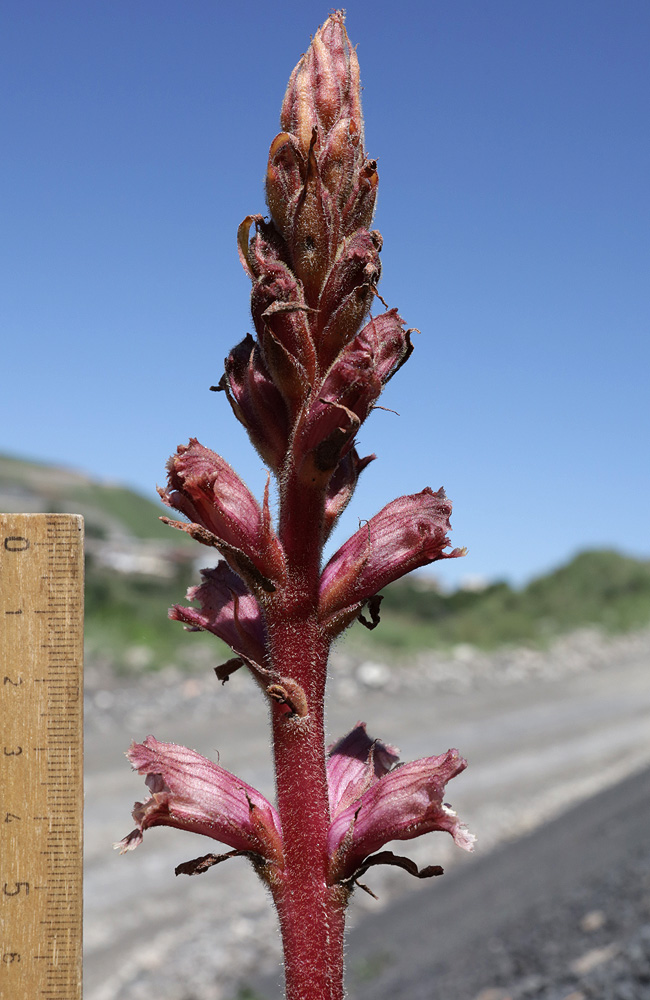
[324, 86]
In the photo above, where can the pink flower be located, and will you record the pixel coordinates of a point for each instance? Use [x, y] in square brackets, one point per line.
[228, 610]
[350, 390]
[373, 802]
[224, 513]
[409, 532]
[192, 793]
[277, 305]
[347, 293]
[354, 764]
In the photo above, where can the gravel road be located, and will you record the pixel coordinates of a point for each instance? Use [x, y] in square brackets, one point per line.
[541, 731]
[562, 914]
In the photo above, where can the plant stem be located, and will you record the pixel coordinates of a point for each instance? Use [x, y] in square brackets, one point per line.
[311, 912]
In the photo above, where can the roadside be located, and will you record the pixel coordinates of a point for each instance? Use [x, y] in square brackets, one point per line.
[562, 913]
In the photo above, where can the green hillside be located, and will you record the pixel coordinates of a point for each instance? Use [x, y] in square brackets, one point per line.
[136, 567]
[127, 626]
[126, 612]
[108, 509]
[598, 588]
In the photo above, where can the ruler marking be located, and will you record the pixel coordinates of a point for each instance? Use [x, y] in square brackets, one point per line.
[43, 575]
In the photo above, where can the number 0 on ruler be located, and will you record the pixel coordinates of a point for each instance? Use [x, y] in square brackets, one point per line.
[41, 756]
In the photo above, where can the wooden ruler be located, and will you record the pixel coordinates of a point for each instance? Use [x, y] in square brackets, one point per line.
[41, 756]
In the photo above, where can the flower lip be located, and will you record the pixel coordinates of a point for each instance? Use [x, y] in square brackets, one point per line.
[355, 763]
[227, 609]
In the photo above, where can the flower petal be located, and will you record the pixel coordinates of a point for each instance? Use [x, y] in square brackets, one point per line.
[354, 764]
[192, 793]
[403, 804]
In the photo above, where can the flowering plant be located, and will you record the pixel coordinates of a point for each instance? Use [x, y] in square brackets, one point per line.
[302, 388]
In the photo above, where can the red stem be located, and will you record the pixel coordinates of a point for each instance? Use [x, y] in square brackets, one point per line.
[311, 912]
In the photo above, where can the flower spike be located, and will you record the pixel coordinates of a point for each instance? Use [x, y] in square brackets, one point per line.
[302, 384]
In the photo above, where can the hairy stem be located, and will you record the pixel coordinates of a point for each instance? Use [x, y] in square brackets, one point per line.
[311, 912]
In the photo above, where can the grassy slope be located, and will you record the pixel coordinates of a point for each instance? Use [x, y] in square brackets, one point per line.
[106, 507]
[122, 611]
[596, 588]
[599, 588]
[126, 618]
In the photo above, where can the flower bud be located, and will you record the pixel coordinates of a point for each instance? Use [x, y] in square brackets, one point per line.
[324, 86]
[325, 433]
[313, 231]
[361, 370]
[347, 295]
[256, 402]
[360, 206]
[341, 487]
[285, 176]
[318, 185]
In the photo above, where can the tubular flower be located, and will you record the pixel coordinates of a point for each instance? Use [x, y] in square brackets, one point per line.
[349, 391]
[374, 800]
[192, 793]
[229, 611]
[223, 512]
[409, 532]
[256, 401]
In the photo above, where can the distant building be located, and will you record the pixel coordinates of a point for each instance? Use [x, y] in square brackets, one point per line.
[138, 556]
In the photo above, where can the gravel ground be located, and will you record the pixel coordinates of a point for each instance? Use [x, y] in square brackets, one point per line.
[542, 731]
[563, 914]
[112, 699]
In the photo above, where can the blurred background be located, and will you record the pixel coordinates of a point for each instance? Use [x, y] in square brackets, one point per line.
[513, 155]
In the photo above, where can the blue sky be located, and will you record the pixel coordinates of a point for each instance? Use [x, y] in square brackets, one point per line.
[514, 155]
